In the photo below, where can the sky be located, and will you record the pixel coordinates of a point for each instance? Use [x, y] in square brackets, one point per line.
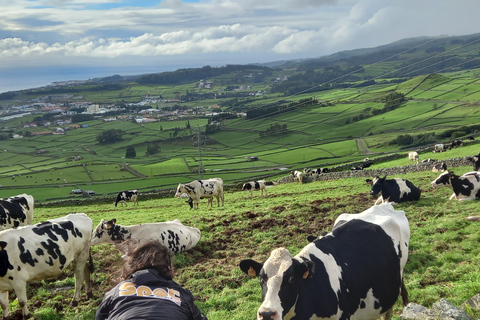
[42, 41]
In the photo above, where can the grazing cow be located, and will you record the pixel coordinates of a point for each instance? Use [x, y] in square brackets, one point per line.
[200, 189]
[320, 170]
[42, 251]
[475, 160]
[413, 156]
[439, 147]
[255, 185]
[393, 190]
[465, 187]
[471, 138]
[297, 176]
[173, 234]
[456, 143]
[440, 167]
[16, 211]
[124, 196]
[353, 272]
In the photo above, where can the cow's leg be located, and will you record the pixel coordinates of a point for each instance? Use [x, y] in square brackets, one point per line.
[453, 196]
[379, 200]
[195, 203]
[388, 315]
[4, 304]
[20, 289]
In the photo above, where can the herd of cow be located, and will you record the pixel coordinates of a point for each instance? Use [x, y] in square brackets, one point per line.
[355, 271]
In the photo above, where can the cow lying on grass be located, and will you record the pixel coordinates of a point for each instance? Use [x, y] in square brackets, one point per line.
[354, 272]
[393, 190]
[173, 234]
[465, 187]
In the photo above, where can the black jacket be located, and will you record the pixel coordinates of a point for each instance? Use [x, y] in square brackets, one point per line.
[148, 295]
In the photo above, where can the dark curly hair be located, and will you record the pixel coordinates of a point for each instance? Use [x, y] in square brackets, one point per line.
[149, 255]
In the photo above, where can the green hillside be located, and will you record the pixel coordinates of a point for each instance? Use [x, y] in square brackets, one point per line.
[229, 114]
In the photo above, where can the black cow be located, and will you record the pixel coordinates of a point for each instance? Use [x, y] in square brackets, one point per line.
[124, 196]
[393, 190]
[354, 272]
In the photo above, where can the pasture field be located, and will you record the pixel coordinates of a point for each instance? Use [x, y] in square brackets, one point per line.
[443, 251]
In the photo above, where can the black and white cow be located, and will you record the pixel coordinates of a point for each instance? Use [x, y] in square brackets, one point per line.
[255, 185]
[42, 251]
[456, 143]
[297, 176]
[440, 167]
[393, 190]
[465, 187]
[201, 189]
[124, 196]
[16, 211]
[439, 147]
[320, 170]
[173, 234]
[475, 160]
[353, 272]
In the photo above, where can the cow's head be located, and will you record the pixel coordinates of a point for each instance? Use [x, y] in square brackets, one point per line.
[377, 185]
[281, 278]
[247, 186]
[102, 232]
[443, 180]
[180, 190]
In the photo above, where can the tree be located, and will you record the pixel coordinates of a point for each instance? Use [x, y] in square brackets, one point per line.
[110, 136]
[130, 153]
[153, 149]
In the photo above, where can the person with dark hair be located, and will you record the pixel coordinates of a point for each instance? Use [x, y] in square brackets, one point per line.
[147, 290]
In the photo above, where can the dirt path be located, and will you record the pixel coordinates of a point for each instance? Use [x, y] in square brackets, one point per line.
[361, 146]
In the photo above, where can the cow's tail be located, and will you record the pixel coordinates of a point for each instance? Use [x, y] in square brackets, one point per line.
[404, 294]
[91, 267]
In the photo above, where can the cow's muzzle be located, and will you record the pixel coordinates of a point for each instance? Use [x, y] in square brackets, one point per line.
[268, 314]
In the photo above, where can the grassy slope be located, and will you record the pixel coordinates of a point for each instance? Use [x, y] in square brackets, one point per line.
[443, 259]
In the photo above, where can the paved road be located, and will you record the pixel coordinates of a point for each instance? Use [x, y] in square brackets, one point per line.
[361, 146]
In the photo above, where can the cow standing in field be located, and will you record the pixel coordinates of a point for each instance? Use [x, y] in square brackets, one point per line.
[16, 211]
[297, 176]
[465, 187]
[173, 234]
[439, 147]
[353, 272]
[124, 196]
[393, 190]
[456, 143]
[413, 156]
[42, 251]
[201, 189]
[255, 185]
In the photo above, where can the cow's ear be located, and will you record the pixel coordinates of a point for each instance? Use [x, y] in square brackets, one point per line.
[113, 221]
[250, 267]
[384, 177]
[3, 244]
[305, 269]
[369, 181]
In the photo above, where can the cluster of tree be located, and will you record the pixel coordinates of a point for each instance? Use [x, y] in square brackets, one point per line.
[131, 153]
[325, 79]
[8, 95]
[280, 107]
[392, 102]
[275, 129]
[152, 149]
[195, 74]
[110, 136]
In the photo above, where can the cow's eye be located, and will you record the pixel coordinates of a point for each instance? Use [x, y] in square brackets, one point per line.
[291, 279]
[263, 281]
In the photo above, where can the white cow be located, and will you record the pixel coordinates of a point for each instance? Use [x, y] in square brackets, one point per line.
[16, 211]
[43, 251]
[413, 156]
[173, 234]
[201, 189]
[439, 147]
